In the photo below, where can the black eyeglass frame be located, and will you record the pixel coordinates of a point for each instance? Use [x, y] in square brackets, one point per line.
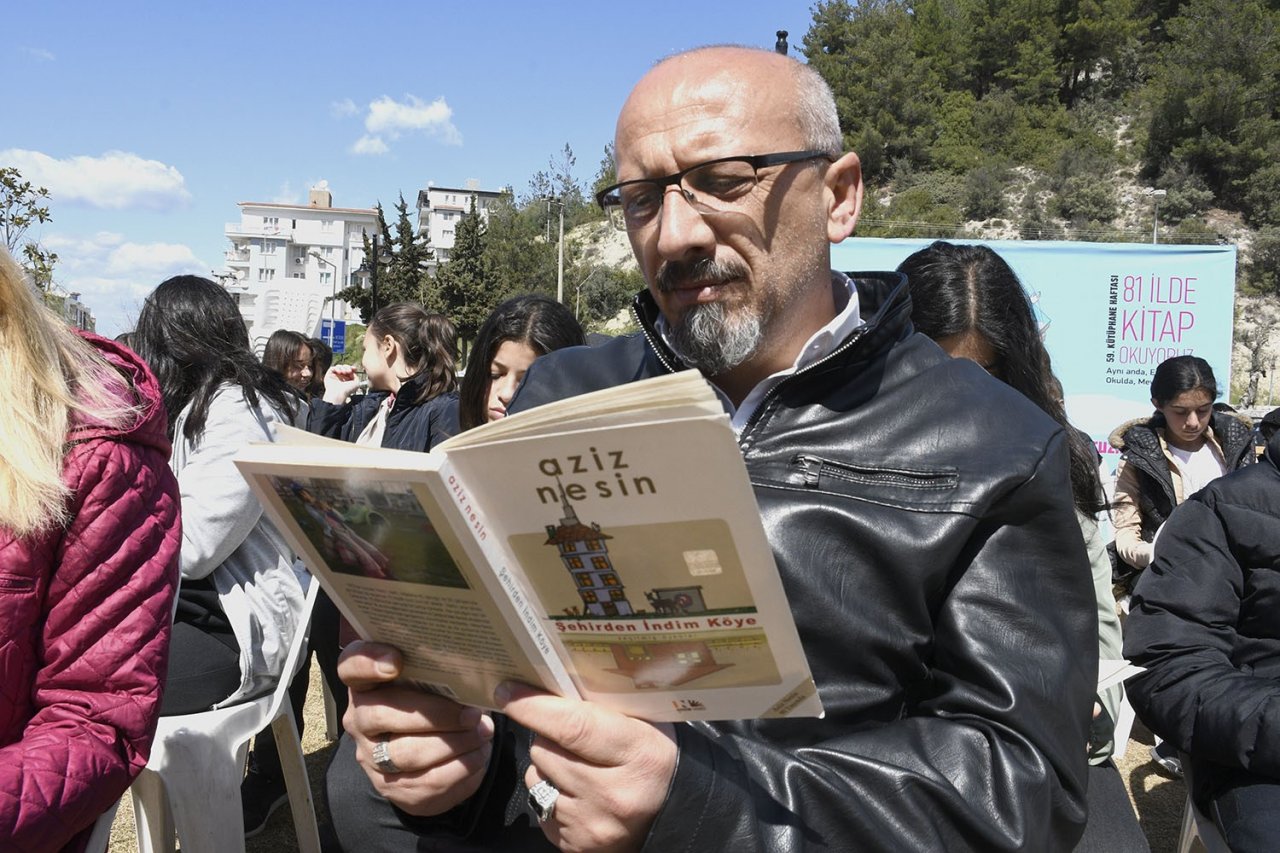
[610, 196]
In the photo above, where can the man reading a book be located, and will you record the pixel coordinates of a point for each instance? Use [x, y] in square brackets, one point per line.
[919, 512]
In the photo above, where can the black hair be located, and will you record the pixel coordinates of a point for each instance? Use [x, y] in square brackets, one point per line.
[428, 341]
[1181, 374]
[282, 350]
[538, 321]
[191, 334]
[321, 361]
[957, 289]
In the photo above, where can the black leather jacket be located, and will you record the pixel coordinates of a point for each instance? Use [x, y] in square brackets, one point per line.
[921, 516]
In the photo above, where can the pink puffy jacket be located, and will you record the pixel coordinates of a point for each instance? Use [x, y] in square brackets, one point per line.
[84, 628]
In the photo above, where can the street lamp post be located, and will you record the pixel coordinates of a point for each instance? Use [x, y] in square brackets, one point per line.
[333, 298]
[559, 249]
[1156, 195]
[370, 267]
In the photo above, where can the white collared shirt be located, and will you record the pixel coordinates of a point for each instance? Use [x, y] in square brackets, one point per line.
[821, 344]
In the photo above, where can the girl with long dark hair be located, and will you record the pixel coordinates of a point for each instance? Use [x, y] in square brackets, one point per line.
[239, 601]
[289, 354]
[514, 335]
[968, 300]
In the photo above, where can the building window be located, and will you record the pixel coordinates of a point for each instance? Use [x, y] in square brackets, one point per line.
[268, 247]
[600, 563]
[574, 562]
[328, 251]
[326, 278]
[271, 223]
[582, 579]
[617, 595]
[593, 544]
[609, 579]
[266, 274]
[589, 597]
[326, 224]
[298, 275]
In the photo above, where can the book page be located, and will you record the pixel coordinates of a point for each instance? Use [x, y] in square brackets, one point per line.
[392, 561]
[1112, 672]
[644, 550]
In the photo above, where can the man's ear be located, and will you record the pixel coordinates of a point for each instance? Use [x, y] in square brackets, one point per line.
[843, 184]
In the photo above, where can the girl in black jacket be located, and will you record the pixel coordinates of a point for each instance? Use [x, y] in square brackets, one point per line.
[409, 361]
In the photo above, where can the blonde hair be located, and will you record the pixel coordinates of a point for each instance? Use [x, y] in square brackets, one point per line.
[50, 372]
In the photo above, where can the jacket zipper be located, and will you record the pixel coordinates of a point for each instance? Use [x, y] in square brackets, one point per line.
[811, 468]
[14, 583]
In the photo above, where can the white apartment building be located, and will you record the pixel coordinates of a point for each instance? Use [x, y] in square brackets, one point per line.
[287, 262]
[440, 208]
[77, 314]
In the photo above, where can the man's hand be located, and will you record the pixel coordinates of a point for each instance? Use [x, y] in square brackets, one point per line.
[612, 771]
[440, 748]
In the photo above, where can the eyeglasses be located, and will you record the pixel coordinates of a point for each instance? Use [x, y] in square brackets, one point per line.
[716, 186]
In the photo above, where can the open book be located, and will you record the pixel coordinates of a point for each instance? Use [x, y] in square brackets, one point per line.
[607, 547]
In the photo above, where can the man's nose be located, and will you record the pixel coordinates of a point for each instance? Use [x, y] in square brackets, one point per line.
[682, 230]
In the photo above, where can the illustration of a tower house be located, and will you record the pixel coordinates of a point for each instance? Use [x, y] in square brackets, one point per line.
[586, 557]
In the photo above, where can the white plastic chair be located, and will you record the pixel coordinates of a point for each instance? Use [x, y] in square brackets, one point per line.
[1195, 823]
[1125, 716]
[191, 785]
[101, 835]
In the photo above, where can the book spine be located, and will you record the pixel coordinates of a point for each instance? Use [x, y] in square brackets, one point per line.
[502, 576]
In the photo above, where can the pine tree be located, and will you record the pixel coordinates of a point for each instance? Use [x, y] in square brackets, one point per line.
[464, 289]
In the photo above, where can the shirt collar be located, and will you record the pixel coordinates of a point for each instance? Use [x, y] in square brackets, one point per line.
[820, 344]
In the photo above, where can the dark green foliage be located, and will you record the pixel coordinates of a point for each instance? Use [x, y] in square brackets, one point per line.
[984, 191]
[404, 278]
[602, 293]
[1188, 194]
[464, 290]
[1190, 230]
[1083, 199]
[885, 96]
[1262, 269]
[1214, 97]
[1262, 195]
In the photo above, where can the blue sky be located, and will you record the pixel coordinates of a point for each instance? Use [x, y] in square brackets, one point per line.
[149, 122]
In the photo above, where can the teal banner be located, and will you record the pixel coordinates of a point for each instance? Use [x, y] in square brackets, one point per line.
[1109, 313]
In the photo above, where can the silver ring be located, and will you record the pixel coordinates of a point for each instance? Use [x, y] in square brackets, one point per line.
[542, 799]
[382, 756]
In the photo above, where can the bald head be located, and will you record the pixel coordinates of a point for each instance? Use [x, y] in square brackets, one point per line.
[774, 87]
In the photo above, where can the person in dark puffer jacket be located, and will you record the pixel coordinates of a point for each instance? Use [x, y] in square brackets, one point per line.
[1203, 623]
[89, 540]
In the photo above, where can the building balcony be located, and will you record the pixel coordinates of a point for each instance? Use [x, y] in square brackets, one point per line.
[237, 257]
[239, 229]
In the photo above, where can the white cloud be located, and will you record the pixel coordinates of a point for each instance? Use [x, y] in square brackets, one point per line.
[389, 119]
[39, 53]
[369, 145]
[117, 180]
[113, 275]
[342, 109]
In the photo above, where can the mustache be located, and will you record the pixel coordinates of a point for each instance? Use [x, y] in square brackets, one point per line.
[673, 275]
